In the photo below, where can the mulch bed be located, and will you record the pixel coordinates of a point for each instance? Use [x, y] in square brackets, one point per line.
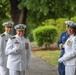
[43, 48]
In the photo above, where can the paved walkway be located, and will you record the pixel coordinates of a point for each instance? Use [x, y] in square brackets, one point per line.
[40, 67]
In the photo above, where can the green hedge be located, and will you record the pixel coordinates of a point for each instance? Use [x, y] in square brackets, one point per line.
[73, 19]
[45, 35]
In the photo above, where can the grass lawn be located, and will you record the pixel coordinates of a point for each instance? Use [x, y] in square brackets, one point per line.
[49, 56]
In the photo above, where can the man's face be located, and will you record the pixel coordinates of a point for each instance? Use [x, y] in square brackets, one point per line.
[20, 33]
[8, 29]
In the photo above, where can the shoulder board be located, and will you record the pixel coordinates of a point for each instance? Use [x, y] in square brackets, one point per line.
[12, 37]
[2, 35]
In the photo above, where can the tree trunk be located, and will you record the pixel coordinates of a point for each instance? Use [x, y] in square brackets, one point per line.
[18, 16]
[46, 46]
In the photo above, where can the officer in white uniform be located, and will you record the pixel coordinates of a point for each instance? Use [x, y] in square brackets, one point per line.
[19, 52]
[3, 41]
[69, 58]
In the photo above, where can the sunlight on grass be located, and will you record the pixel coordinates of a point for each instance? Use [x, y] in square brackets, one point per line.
[49, 56]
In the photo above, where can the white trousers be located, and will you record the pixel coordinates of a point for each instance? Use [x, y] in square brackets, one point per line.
[13, 72]
[4, 70]
[70, 70]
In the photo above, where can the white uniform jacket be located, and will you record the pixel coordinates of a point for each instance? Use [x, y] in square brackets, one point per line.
[19, 53]
[69, 57]
[3, 41]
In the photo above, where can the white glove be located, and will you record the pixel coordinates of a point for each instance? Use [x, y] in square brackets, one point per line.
[17, 49]
[60, 60]
[61, 46]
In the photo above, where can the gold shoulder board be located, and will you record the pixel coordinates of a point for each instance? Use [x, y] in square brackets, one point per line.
[12, 37]
[2, 35]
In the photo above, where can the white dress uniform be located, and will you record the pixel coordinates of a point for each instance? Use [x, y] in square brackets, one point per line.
[69, 57]
[3, 58]
[3, 41]
[18, 50]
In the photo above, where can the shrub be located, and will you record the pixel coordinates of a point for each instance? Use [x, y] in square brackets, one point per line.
[49, 22]
[45, 35]
[73, 19]
[59, 23]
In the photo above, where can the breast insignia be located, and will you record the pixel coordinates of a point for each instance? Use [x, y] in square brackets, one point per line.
[16, 42]
[2, 35]
[69, 42]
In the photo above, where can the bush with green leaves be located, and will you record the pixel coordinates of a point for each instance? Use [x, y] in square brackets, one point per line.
[59, 23]
[45, 35]
[73, 19]
[49, 22]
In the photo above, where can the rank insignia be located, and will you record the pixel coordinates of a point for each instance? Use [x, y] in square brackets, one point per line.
[26, 45]
[16, 42]
[2, 35]
[69, 42]
[12, 37]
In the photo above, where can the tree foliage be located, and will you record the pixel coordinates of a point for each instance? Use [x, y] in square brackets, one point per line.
[38, 10]
[41, 10]
[4, 13]
[50, 8]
